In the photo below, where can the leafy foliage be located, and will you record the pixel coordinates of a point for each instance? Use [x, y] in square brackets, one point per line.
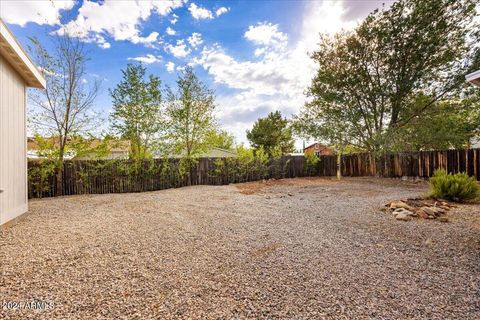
[246, 166]
[368, 81]
[39, 174]
[455, 187]
[220, 139]
[312, 162]
[446, 124]
[271, 133]
[190, 116]
[76, 147]
[136, 112]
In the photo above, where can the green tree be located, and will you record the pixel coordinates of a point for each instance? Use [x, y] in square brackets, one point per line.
[221, 139]
[137, 110]
[366, 87]
[272, 133]
[446, 124]
[190, 113]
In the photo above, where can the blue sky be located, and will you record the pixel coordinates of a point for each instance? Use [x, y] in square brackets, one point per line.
[254, 54]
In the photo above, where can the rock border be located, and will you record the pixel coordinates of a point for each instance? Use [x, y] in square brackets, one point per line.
[407, 209]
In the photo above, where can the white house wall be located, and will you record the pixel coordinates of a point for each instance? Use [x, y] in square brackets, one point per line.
[13, 183]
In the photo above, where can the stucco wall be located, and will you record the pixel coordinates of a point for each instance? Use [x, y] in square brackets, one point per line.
[13, 178]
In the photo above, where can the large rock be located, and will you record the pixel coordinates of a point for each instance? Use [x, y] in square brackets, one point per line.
[400, 204]
[403, 211]
[432, 211]
[402, 216]
[422, 214]
[438, 210]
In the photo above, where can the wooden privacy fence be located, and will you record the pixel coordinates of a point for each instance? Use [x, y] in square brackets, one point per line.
[412, 164]
[117, 176]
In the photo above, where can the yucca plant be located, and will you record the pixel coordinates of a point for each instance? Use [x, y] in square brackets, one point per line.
[455, 187]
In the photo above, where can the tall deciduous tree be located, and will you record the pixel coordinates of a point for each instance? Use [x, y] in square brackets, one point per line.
[137, 110]
[366, 87]
[271, 133]
[190, 114]
[64, 109]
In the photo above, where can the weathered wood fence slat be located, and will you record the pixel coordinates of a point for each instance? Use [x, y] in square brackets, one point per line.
[118, 176]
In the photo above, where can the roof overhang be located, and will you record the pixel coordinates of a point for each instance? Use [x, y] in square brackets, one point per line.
[474, 78]
[18, 58]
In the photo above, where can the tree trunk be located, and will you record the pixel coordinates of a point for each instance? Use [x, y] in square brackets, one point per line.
[59, 173]
[339, 165]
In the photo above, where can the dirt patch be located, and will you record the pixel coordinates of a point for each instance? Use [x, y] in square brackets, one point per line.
[249, 188]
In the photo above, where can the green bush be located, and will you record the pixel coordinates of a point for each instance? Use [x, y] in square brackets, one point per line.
[454, 187]
[312, 160]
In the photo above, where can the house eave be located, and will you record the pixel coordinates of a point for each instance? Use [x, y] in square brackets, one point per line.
[18, 58]
[474, 78]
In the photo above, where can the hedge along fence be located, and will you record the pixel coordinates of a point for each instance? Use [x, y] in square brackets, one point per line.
[118, 176]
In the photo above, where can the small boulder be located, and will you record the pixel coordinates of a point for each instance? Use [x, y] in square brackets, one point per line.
[397, 211]
[399, 204]
[438, 210]
[428, 210]
[401, 216]
[402, 210]
[422, 214]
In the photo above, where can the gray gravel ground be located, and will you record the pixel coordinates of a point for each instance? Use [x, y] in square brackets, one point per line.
[300, 248]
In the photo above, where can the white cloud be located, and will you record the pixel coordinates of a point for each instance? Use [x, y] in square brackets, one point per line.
[260, 51]
[148, 41]
[105, 45]
[179, 50]
[170, 66]
[268, 76]
[170, 31]
[165, 7]
[195, 40]
[120, 20]
[147, 59]
[221, 11]
[174, 19]
[266, 34]
[180, 68]
[199, 13]
[41, 12]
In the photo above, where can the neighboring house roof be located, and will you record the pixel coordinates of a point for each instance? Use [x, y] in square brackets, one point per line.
[474, 78]
[118, 146]
[317, 145]
[115, 146]
[319, 148]
[18, 58]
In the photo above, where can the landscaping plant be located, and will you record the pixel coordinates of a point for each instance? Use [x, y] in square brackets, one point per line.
[455, 187]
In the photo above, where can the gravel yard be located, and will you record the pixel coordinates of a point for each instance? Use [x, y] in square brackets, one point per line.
[298, 248]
